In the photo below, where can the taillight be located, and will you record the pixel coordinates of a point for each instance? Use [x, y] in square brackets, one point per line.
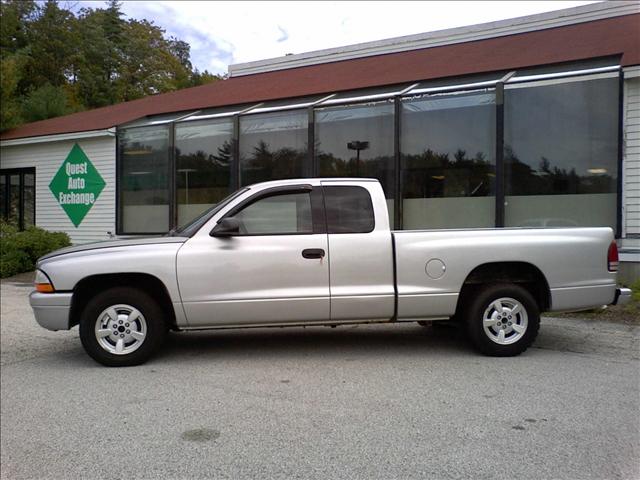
[612, 257]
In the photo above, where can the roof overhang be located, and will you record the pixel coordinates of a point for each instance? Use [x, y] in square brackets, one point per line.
[109, 132]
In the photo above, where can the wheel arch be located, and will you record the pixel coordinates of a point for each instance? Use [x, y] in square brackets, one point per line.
[524, 274]
[86, 288]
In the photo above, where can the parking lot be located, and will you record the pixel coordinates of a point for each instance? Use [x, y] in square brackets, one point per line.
[398, 401]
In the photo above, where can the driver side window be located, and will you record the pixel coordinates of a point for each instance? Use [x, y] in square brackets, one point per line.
[288, 213]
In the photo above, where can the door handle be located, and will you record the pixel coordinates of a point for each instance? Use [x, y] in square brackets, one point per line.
[313, 253]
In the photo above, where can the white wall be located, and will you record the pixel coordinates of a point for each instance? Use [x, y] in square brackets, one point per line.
[583, 210]
[47, 157]
[631, 159]
[449, 212]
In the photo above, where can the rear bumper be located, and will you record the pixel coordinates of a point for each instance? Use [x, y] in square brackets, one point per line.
[623, 296]
[569, 299]
[51, 309]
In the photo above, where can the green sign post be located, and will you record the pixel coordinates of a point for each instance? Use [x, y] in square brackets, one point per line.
[77, 185]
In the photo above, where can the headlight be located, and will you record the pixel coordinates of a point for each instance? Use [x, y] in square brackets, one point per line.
[42, 283]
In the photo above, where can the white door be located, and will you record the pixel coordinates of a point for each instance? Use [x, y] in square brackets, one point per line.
[275, 269]
[361, 263]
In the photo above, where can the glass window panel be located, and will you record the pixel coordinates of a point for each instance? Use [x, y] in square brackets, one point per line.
[483, 80]
[156, 120]
[273, 146]
[448, 160]
[561, 153]
[203, 166]
[144, 179]
[567, 67]
[349, 210]
[357, 141]
[29, 200]
[288, 103]
[14, 200]
[3, 197]
[366, 92]
[279, 214]
[210, 113]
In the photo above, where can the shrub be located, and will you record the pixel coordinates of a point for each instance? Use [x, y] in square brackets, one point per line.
[19, 251]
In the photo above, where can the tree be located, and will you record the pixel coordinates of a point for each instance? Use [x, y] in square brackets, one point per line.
[147, 65]
[10, 109]
[45, 102]
[55, 61]
[15, 16]
[52, 46]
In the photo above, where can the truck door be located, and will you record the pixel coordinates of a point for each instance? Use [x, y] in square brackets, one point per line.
[275, 269]
[361, 256]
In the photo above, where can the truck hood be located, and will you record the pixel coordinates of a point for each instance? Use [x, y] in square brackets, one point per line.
[112, 244]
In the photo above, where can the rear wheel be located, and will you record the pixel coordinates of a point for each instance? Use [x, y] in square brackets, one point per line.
[502, 320]
[122, 327]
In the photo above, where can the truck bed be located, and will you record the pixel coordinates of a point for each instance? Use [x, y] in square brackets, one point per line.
[432, 265]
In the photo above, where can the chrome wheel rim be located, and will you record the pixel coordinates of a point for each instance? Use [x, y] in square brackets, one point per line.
[120, 329]
[505, 321]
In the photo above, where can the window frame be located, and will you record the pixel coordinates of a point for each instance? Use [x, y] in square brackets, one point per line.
[174, 163]
[394, 102]
[257, 112]
[326, 209]
[318, 219]
[171, 179]
[561, 72]
[560, 78]
[8, 172]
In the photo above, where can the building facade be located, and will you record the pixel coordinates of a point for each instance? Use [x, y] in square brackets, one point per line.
[530, 122]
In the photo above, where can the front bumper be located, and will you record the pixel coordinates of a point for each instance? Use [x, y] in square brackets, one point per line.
[51, 309]
[623, 296]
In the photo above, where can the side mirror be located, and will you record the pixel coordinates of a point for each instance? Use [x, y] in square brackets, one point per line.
[228, 227]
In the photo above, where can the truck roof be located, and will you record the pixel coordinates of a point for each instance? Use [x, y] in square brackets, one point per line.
[310, 181]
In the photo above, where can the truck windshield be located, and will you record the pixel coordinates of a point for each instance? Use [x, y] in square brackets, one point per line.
[194, 225]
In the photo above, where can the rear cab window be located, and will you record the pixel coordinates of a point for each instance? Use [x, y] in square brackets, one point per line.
[348, 209]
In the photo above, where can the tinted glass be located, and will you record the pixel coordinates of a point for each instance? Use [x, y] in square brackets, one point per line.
[561, 153]
[3, 196]
[348, 210]
[14, 200]
[357, 141]
[448, 159]
[144, 179]
[192, 227]
[278, 214]
[273, 146]
[29, 200]
[203, 166]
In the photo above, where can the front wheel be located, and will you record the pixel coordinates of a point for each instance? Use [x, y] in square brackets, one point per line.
[122, 327]
[502, 320]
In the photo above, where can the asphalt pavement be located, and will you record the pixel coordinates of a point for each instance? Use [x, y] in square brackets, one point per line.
[362, 402]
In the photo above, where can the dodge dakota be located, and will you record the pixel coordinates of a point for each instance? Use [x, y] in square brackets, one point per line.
[320, 252]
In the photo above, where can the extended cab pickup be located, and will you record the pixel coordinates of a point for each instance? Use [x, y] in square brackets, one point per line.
[320, 252]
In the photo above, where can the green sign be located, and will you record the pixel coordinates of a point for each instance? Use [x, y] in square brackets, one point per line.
[77, 185]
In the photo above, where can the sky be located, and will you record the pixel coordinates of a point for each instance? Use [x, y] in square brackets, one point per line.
[224, 33]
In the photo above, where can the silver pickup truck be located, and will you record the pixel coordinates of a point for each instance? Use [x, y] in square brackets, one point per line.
[320, 252]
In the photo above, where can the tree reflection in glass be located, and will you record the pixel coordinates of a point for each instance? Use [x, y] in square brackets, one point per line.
[448, 161]
[273, 146]
[203, 165]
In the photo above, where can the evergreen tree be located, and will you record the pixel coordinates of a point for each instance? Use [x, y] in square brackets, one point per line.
[55, 61]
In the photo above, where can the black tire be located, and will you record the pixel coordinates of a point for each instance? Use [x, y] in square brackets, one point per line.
[482, 301]
[155, 323]
[424, 323]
